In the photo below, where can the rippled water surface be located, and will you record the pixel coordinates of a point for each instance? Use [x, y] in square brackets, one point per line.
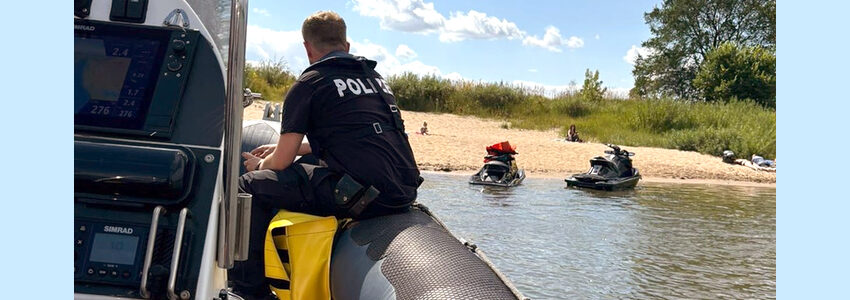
[657, 241]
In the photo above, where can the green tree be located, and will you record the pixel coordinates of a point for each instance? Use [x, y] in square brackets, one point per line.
[592, 89]
[740, 72]
[685, 31]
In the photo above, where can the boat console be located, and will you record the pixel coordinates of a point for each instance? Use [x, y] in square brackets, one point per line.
[150, 103]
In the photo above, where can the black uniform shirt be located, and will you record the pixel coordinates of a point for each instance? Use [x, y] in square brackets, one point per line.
[342, 94]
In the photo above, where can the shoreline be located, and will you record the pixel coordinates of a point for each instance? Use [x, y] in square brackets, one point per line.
[456, 146]
[643, 179]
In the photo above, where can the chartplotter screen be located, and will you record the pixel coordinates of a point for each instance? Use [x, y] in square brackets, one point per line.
[114, 78]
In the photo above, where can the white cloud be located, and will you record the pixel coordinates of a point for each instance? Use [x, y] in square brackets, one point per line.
[265, 43]
[389, 64]
[574, 42]
[532, 70]
[453, 76]
[596, 36]
[421, 17]
[404, 52]
[553, 41]
[477, 25]
[402, 15]
[261, 11]
[635, 52]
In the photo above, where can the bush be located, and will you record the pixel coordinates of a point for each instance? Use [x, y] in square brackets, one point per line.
[730, 71]
[592, 89]
[660, 116]
[705, 140]
[426, 93]
[571, 106]
[271, 78]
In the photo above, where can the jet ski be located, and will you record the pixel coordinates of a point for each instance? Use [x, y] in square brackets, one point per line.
[614, 171]
[499, 168]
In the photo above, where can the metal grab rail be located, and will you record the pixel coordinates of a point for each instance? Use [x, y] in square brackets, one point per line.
[143, 287]
[232, 135]
[175, 255]
[244, 220]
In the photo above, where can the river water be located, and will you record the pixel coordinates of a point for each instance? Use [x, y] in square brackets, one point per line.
[657, 241]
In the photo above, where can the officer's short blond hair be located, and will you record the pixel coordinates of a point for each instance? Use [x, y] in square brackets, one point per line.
[325, 30]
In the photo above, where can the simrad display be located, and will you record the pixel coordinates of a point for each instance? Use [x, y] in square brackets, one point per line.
[114, 248]
[114, 78]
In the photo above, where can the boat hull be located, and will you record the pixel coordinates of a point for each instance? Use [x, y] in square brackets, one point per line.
[409, 256]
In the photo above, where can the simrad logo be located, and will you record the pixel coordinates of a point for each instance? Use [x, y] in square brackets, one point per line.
[84, 27]
[117, 229]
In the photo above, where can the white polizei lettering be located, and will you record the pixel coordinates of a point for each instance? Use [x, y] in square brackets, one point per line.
[370, 84]
[353, 86]
[365, 89]
[381, 84]
[387, 87]
[340, 86]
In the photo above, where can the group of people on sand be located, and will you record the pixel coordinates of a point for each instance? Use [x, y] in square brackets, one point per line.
[755, 162]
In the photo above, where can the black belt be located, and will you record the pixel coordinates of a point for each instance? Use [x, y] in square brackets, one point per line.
[376, 128]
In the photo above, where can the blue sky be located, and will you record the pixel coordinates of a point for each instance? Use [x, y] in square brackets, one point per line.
[539, 43]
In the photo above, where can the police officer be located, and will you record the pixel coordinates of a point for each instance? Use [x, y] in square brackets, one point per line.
[358, 162]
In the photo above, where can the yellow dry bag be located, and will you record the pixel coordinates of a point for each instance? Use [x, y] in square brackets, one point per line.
[298, 255]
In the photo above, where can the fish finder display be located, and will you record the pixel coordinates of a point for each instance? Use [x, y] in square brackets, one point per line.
[114, 78]
[114, 248]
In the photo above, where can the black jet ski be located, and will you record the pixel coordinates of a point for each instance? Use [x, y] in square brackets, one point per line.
[614, 171]
[499, 168]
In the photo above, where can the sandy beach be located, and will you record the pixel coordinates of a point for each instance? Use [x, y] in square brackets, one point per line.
[456, 144]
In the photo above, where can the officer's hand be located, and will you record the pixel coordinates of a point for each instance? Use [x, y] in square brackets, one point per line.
[264, 150]
[251, 161]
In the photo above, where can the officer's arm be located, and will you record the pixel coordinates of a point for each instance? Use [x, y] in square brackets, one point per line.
[283, 155]
[304, 149]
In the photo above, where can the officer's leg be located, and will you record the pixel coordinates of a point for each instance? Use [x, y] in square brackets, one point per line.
[271, 191]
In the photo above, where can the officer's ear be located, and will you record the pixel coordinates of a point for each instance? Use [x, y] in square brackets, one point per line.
[347, 46]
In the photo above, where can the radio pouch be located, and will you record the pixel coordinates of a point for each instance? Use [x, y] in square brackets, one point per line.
[347, 189]
[352, 196]
[297, 255]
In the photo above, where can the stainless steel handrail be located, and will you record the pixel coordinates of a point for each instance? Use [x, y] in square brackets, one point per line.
[175, 254]
[244, 219]
[233, 130]
[143, 287]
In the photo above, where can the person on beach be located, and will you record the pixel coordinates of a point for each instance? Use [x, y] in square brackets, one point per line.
[424, 129]
[761, 162]
[572, 135]
[355, 139]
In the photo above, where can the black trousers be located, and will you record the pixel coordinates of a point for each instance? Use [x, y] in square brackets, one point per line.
[305, 186]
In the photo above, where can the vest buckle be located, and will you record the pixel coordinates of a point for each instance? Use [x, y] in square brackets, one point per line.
[377, 127]
[393, 108]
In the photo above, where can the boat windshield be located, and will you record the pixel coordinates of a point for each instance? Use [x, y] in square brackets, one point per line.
[215, 14]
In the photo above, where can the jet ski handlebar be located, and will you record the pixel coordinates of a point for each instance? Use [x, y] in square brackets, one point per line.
[618, 151]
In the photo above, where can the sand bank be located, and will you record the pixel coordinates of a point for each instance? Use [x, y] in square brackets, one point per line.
[457, 145]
